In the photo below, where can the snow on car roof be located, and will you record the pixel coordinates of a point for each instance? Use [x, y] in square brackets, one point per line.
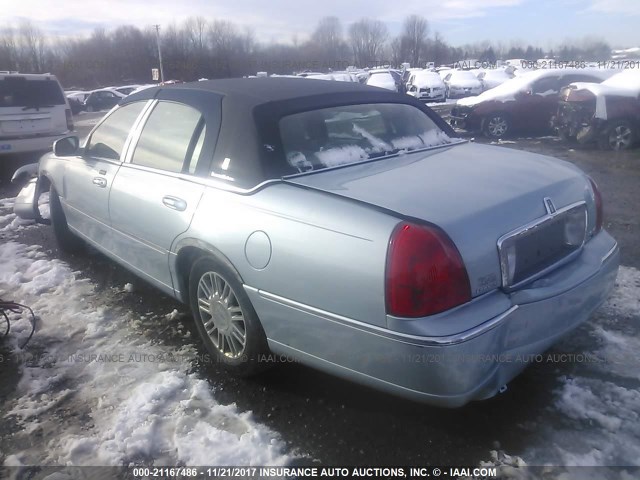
[517, 84]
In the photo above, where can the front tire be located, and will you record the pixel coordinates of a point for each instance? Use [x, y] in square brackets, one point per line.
[225, 318]
[67, 241]
[90, 108]
[496, 125]
[617, 136]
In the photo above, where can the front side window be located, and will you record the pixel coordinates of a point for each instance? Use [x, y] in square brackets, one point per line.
[108, 139]
[169, 138]
[347, 134]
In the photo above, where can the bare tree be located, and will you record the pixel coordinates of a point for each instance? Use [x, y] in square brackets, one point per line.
[413, 38]
[196, 32]
[327, 42]
[31, 47]
[224, 39]
[367, 38]
[8, 50]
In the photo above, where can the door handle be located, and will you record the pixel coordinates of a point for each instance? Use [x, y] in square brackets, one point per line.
[100, 182]
[175, 203]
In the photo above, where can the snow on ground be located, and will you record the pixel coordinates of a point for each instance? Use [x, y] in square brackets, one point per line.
[127, 399]
[595, 416]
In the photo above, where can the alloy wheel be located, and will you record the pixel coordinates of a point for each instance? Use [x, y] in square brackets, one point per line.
[497, 126]
[620, 137]
[221, 315]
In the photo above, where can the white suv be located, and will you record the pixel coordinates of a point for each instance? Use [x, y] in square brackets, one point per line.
[34, 112]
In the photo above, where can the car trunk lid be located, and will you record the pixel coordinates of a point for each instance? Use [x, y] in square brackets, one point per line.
[475, 193]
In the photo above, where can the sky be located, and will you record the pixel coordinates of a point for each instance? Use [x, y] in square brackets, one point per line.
[543, 23]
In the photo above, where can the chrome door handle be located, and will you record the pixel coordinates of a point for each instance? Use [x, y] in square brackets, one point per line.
[100, 182]
[174, 203]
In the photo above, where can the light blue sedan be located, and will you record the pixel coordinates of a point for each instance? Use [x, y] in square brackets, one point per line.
[338, 224]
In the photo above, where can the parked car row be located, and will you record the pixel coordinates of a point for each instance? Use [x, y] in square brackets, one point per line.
[99, 99]
[524, 103]
[432, 85]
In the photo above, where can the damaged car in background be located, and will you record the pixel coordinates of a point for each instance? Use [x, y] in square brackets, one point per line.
[523, 104]
[607, 114]
[347, 227]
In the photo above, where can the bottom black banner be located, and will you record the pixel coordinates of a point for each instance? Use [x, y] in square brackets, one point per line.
[302, 472]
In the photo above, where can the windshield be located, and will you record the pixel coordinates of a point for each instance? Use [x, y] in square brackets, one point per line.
[427, 78]
[464, 75]
[20, 92]
[348, 134]
[381, 79]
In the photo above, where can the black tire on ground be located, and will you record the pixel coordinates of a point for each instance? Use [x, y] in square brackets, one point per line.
[496, 125]
[618, 135]
[90, 108]
[67, 241]
[566, 137]
[225, 318]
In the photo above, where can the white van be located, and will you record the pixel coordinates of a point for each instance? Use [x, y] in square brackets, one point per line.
[34, 112]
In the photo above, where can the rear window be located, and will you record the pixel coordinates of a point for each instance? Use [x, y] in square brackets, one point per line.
[20, 92]
[348, 134]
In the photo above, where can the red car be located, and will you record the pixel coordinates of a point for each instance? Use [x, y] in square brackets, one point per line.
[525, 103]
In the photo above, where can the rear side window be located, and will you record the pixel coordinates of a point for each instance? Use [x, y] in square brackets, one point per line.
[108, 139]
[20, 92]
[545, 85]
[169, 138]
[347, 134]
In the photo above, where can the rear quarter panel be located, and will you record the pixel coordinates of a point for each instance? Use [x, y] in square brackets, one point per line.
[325, 252]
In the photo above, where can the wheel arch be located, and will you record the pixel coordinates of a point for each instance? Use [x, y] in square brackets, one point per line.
[188, 251]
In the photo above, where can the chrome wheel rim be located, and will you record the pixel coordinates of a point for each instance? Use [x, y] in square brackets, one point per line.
[221, 315]
[620, 137]
[497, 126]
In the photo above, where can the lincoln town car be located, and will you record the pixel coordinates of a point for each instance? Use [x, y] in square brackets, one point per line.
[338, 224]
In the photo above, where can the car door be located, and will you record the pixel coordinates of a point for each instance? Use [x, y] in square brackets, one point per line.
[537, 105]
[155, 193]
[88, 177]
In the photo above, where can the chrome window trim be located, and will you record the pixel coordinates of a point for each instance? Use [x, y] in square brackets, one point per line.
[504, 266]
[136, 131]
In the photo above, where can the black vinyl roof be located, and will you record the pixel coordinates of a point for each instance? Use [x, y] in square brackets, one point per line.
[247, 112]
[263, 90]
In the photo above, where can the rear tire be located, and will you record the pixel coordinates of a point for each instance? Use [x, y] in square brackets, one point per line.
[225, 318]
[619, 135]
[67, 241]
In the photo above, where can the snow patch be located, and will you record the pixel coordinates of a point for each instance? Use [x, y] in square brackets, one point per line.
[134, 399]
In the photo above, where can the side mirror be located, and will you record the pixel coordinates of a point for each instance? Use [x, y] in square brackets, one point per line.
[66, 147]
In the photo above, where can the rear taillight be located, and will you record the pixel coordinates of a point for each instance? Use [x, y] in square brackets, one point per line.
[67, 112]
[597, 198]
[425, 273]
